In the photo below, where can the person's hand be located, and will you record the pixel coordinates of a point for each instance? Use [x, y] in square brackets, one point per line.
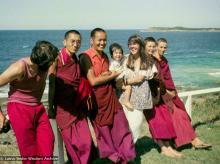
[157, 56]
[156, 76]
[106, 73]
[167, 98]
[171, 93]
[123, 87]
[139, 79]
[116, 73]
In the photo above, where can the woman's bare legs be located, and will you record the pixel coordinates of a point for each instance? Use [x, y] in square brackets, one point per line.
[127, 92]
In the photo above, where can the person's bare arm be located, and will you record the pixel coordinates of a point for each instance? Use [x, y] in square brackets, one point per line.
[13, 72]
[121, 83]
[172, 93]
[157, 56]
[86, 67]
[106, 73]
[131, 81]
[136, 80]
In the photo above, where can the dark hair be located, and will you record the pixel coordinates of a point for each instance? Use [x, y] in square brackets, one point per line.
[93, 32]
[43, 54]
[144, 62]
[113, 47]
[162, 40]
[150, 59]
[71, 31]
[149, 39]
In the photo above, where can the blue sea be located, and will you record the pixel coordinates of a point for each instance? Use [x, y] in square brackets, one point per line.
[194, 57]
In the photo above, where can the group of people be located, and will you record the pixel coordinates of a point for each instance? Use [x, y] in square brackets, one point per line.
[125, 90]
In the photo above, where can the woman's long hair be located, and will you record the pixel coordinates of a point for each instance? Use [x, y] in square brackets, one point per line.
[146, 61]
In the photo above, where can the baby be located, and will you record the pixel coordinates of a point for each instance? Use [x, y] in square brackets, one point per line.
[116, 64]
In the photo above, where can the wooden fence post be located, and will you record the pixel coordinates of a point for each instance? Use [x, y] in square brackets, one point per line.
[188, 105]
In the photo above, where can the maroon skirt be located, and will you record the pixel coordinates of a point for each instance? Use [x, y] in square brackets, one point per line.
[160, 122]
[182, 125]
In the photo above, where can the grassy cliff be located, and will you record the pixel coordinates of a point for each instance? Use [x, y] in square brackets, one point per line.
[205, 119]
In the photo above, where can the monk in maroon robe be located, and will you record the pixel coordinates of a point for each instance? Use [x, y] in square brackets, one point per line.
[64, 81]
[159, 118]
[111, 127]
[182, 123]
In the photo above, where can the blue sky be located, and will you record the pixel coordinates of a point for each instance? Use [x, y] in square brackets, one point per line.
[108, 14]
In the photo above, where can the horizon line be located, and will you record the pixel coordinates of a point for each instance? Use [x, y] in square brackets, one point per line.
[68, 29]
[22, 29]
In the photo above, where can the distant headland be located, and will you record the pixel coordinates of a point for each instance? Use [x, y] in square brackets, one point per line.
[179, 29]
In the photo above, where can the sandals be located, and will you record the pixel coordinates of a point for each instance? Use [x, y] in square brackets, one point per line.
[202, 146]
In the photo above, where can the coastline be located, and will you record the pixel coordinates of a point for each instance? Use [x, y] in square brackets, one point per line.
[179, 29]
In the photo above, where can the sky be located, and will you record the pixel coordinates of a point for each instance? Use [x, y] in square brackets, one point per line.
[108, 14]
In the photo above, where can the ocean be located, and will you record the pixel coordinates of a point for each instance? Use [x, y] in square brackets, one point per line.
[194, 57]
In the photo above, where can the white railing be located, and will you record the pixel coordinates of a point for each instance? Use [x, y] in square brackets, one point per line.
[58, 147]
[189, 94]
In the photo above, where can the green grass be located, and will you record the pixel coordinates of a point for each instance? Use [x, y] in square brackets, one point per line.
[148, 151]
[206, 121]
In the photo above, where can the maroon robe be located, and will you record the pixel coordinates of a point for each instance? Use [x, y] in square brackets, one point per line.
[181, 121]
[168, 80]
[111, 127]
[72, 124]
[159, 118]
[67, 81]
[106, 98]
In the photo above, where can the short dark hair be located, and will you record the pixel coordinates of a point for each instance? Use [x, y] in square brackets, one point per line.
[162, 40]
[73, 32]
[149, 39]
[93, 32]
[43, 54]
[114, 46]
